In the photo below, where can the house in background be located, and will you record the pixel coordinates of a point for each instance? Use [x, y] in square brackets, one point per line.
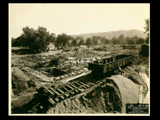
[51, 47]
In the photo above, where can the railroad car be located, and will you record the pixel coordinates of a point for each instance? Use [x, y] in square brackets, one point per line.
[145, 50]
[110, 63]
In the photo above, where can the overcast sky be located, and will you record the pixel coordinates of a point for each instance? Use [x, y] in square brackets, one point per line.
[74, 19]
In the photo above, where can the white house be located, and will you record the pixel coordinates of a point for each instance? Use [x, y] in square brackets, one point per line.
[51, 47]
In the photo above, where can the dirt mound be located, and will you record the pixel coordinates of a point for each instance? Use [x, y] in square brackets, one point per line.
[128, 89]
[66, 54]
[109, 97]
[133, 75]
[95, 101]
[80, 53]
[19, 79]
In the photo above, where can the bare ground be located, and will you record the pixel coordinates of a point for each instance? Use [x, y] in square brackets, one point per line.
[95, 101]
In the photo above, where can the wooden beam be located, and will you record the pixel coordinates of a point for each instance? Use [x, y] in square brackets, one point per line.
[55, 91]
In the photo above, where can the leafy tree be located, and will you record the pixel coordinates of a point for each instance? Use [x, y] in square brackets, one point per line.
[12, 41]
[104, 40]
[28, 37]
[95, 39]
[140, 41]
[114, 40]
[16, 42]
[36, 40]
[107, 41]
[147, 30]
[81, 42]
[121, 39]
[135, 38]
[130, 40]
[127, 38]
[63, 40]
[89, 42]
[52, 38]
[78, 38]
[74, 42]
[42, 38]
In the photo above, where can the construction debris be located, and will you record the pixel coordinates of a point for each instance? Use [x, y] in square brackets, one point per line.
[75, 89]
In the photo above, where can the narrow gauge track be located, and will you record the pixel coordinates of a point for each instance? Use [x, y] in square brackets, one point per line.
[71, 89]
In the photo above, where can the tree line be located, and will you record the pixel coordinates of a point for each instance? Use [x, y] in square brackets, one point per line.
[120, 40]
[38, 40]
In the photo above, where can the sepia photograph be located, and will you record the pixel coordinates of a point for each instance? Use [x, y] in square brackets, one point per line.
[79, 59]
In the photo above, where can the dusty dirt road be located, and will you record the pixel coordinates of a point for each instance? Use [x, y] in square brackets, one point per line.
[43, 53]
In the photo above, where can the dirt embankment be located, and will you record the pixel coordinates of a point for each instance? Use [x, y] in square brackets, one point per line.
[139, 74]
[103, 99]
[110, 96]
[19, 80]
[136, 78]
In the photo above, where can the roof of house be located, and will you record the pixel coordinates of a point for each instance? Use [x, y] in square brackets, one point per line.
[51, 45]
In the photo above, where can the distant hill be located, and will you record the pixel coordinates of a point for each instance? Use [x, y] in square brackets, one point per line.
[111, 34]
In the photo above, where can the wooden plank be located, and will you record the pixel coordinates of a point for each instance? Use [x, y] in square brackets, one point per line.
[72, 92]
[66, 89]
[51, 101]
[70, 87]
[60, 90]
[55, 91]
[67, 94]
[57, 99]
[83, 86]
[76, 88]
[62, 97]
[81, 83]
[48, 89]
[73, 85]
[77, 83]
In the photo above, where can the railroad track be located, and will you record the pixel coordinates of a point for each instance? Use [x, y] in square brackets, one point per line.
[70, 89]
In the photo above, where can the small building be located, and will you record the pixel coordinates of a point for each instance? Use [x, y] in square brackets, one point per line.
[145, 50]
[51, 47]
